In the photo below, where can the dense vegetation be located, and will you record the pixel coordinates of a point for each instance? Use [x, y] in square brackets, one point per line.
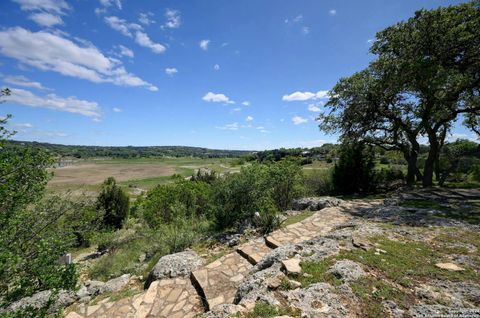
[426, 76]
[76, 151]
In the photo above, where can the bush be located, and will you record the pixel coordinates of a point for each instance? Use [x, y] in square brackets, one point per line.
[353, 173]
[319, 182]
[114, 203]
[262, 188]
[389, 175]
[161, 204]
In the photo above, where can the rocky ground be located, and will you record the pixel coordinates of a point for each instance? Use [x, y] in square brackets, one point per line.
[415, 254]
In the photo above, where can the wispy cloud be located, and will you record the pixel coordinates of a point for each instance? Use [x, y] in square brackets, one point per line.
[314, 108]
[249, 119]
[51, 101]
[173, 19]
[116, 109]
[232, 126]
[204, 44]
[297, 120]
[23, 81]
[146, 18]
[246, 103]
[303, 96]
[51, 52]
[171, 71]
[216, 67]
[332, 12]
[45, 13]
[135, 31]
[125, 51]
[217, 98]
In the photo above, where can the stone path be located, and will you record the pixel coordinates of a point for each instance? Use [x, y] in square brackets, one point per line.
[318, 224]
[217, 282]
[169, 298]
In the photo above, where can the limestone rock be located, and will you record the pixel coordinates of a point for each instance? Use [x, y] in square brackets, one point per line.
[41, 299]
[116, 284]
[449, 266]
[319, 300]
[292, 266]
[315, 203]
[361, 243]
[347, 270]
[275, 281]
[174, 265]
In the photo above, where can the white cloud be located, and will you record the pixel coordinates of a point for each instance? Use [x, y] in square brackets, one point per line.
[173, 19]
[298, 18]
[142, 39]
[306, 30]
[56, 6]
[204, 44]
[237, 109]
[122, 26]
[46, 19]
[24, 125]
[297, 120]
[109, 3]
[246, 103]
[216, 67]
[249, 118]
[52, 101]
[314, 108]
[116, 109]
[146, 18]
[22, 81]
[51, 52]
[125, 51]
[217, 98]
[131, 29]
[332, 12]
[171, 71]
[46, 13]
[233, 126]
[303, 96]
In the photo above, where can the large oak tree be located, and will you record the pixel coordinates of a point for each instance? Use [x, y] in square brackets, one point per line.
[426, 77]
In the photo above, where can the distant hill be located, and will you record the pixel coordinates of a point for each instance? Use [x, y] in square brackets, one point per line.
[77, 151]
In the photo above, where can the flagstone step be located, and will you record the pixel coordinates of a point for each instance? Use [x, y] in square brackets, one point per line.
[316, 225]
[254, 251]
[219, 280]
[169, 298]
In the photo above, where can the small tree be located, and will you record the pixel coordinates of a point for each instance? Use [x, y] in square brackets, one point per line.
[354, 171]
[114, 202]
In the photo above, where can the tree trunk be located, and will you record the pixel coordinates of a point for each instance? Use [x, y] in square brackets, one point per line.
[430, 162]
[412, 168]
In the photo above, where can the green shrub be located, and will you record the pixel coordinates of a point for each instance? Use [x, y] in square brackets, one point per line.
[319, 182]
[263, 188]
[114, 203]
[161, 205]
[353, 173]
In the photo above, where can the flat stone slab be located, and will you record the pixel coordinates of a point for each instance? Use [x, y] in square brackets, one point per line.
[449, 266]
[254, 251]
[318, 224]
[169, 298]
[219, 280]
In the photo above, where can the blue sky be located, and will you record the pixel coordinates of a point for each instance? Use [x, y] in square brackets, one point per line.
[248, 74]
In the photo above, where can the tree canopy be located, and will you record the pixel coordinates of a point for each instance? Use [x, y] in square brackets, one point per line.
[426, 76]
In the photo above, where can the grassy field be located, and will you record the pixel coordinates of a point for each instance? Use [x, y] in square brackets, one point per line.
[133, 174]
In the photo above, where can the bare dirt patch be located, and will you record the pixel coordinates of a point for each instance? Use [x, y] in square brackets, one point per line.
[92, 174]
